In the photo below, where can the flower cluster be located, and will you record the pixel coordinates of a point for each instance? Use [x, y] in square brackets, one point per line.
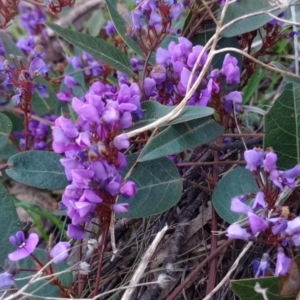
[32, 19]
[22, 77]
[169, 79]
[150, 18]
[265, 214]
[38, 134]
[93, 161]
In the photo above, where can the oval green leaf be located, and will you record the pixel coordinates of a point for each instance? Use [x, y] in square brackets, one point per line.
[242, 8]
[159, 187]
[96, 47]
[282, 126]
[180, 137]
[238, 182]
[41, 169]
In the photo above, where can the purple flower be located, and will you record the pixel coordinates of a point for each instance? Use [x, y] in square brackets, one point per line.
[257, 224]
[26, 44]
[38, 67]
[75, 232]
[64, 96]
[128, 190]
[253, 159]
[231, 70]
[155, 20]
[233, 97]
[175, 11]
[235, 231]
[274, 22]
[239, 207]
[25, 247]
[6, 280]
[75, 61]
[110, 28]
[264, 264]
[149, 84]
[280, 225]
[121, 142]
[60, 252]
[158, 73]
[120, 208]
[259, 201]
[193, 56]
[163, 57]
[70, 81]
[283, 263]
[270, 162]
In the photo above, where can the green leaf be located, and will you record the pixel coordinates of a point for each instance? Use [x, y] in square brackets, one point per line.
[238, 182]
[155, 110]
[96, 47]
[95, 22]
[179, 137]
[242, 8]
[8, 150]
[41, 169]
[42, 288]
[10, 223]
[10, 48]
[41, 105]
[5, 129]
[245, 289]
[282, 127]
[288, 79]
[159, 187]
[121, 25]
[17, 121]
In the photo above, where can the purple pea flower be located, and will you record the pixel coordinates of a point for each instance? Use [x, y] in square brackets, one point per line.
[175, 11]
[121, 142]
[120, 208]
[235, 231]
[26, 44]
[259, 201]
[25, 247]
[280, 225]
[70, 81]
[283, 263]
[163, 57]
[270, 162]
[6, 280]
[257, 224]
[233, 97]
[239, 207]
[75, 232]
[110, 28]
[149, 85]
[193, 56]
[231, 70]
[264, 264]
[128, 190]
[64, 96]
[38, 67]
[158, 73]
[253, 159]
[60, 252]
